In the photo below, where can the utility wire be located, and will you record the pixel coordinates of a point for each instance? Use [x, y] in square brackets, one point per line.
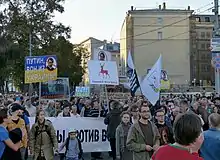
[167, 38]
[164, 25]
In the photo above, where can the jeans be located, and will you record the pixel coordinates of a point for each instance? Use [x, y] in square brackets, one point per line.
[23, 153]
[68, 158]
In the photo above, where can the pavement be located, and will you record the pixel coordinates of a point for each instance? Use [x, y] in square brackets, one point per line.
[87, 156]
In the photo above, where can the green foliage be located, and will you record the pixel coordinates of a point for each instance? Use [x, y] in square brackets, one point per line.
[69, 58]
[18, 19]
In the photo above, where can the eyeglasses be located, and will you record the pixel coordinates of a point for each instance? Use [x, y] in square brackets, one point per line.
[160, 115]
[145, 111]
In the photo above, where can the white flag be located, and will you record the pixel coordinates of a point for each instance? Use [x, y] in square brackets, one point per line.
[150, 86]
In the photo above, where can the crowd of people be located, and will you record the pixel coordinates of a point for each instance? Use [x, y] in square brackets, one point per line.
[177, 127]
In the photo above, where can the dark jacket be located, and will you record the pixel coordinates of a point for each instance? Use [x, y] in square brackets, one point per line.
[9, 154]
[112, 119]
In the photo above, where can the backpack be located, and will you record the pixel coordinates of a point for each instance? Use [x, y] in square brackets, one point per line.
[80, 146]
[47, 130]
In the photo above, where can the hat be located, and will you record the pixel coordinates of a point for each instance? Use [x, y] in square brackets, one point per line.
[72, 130]
[15, 107]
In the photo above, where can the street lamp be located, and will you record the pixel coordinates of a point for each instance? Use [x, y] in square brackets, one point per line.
[200, 82]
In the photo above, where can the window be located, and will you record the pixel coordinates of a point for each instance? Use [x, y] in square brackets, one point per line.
[205, 68]
[207, 19]
[160, 20]
[109, 48]
[202, 34]
[159, 35]
[203, 56]
[198, 19]
[203, 46]
[208, 34]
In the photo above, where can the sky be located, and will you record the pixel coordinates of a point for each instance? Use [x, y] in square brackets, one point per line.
[102, 19]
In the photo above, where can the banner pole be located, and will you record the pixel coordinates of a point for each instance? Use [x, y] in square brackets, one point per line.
[100, 99]
[39, 95]
[106, 96]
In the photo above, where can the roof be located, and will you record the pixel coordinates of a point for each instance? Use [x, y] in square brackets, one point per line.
[90, 39]
[160, 11]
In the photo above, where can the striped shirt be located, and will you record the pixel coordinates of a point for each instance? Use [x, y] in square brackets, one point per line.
[94, 112]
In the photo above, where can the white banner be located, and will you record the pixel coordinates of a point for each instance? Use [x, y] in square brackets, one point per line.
[103, 72]
[91, 131]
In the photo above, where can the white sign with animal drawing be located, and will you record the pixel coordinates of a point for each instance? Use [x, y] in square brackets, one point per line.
[103, 72]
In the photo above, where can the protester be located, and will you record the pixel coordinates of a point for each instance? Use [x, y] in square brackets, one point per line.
[50, 111]
[17, 122]
[112, 120]
[30, 108]
[16, 136]
[211, 146]
[66, 111]
[85, 111]
[43, 139]
[95, 111]
[133, 109]
[188, 140]
[4, 136]
[143, 136]
[122, 152]
[73, 146]
[164, 128]
[74, 111]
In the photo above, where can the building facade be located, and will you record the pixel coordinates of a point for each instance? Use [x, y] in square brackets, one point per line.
[151, 32]
[202, 73]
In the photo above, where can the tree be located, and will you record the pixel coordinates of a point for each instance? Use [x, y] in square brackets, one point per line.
[69, 58]
[21, 18]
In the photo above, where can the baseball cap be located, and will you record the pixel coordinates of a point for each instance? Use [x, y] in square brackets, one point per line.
[72, 130]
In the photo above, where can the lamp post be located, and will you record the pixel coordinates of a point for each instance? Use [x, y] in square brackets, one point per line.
[194, 81]
[200, 84]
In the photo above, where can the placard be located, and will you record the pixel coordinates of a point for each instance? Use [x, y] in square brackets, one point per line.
[103, 72]
[40, 68]
[55, 90]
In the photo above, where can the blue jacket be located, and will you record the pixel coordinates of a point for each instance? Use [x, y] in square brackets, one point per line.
[210, 149]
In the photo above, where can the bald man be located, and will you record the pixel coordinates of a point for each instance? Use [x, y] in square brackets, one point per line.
[211, 146]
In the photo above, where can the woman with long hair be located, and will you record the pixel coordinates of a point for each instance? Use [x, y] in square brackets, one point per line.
[43, 139]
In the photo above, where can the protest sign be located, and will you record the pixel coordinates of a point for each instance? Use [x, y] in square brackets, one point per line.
[103, 72]
[55, 90]
[82, 91]
[40, 68]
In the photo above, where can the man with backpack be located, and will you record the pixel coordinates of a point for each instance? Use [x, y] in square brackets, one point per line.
[73, 146]
[43, 139]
